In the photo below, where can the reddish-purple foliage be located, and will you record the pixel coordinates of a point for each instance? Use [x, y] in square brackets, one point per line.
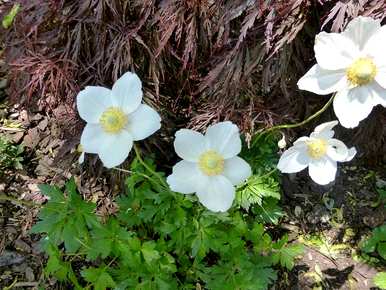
[200, 60]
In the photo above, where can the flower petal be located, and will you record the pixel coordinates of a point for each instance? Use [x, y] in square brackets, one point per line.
[189, 144]
[115, 148]
[375, 46]
[321, 81]
[337, 150]
[186, 178]
[294, 159]
[360, 29]
[143, 122]
[381, 76]
[353, 105]
[224, 138]
[92, 102]
[301, 141]
[218, 194]
[334, 51]
[92, 137]
[351, 154]
[323, 170]
[237, 170]
[127, 92]
[324, 130]
[378, 94]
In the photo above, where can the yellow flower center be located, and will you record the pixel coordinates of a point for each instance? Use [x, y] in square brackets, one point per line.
[113, 120]
[362, 71]
[211, 163]
[317, 148]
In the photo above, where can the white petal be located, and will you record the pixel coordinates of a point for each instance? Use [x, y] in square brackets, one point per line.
[353, 105]
[143, 122]
[127, 92]
[186, 178]
[218, 194]
[92, 137]
[351, 154]
[337, 150]
[301, 141]
[92, 102]
[375, 46]
[334, 51]
[378, 94]
[293, 160]
[381, 76]
[224, 138]
[115, 149]
[189, 144]
[326, 126]
[322, 82]
[324, 130]
[360, 29]
[237, 170]
[322, 171]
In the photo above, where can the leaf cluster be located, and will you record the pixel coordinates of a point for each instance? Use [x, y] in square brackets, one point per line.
[376, 242]
[10, 155]
[158, 240]
[261, 192]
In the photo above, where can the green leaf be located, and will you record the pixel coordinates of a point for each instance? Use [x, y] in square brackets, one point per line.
[8, 19]
[256, 189]
[66, 218]
[380, 280]
[99, 278]
[109, 239]
[149, 253]
[378, 236]
[286, 254]
[382, 249]
[269, 212]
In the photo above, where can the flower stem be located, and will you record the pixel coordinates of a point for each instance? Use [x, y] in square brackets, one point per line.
[289, 126]
[309, 119]
[132, 172]
[148, 168]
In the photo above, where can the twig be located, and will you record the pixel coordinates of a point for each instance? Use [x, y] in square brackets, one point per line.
[26, 284]
[18, 201]
[12, 129]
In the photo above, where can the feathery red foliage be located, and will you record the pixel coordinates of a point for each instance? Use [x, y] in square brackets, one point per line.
[200, 60]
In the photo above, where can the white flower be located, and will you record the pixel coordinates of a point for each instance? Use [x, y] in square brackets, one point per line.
[115, 118]
[353, 64]
[319, 152]
[210, 167]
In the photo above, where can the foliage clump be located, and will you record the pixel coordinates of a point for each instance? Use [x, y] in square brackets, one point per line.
[10, 155]
[158, 239]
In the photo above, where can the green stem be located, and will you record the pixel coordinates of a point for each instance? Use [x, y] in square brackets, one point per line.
[309, 119]
[18, 201]
[289, 126]
[269, 173]
[148, 168]
[131, 172]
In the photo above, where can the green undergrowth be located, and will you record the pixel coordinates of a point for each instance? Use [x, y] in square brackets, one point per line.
[374, 247]
[10, 155]
[160, 239]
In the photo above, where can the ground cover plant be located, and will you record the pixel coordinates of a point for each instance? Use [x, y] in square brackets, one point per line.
[169, 172]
